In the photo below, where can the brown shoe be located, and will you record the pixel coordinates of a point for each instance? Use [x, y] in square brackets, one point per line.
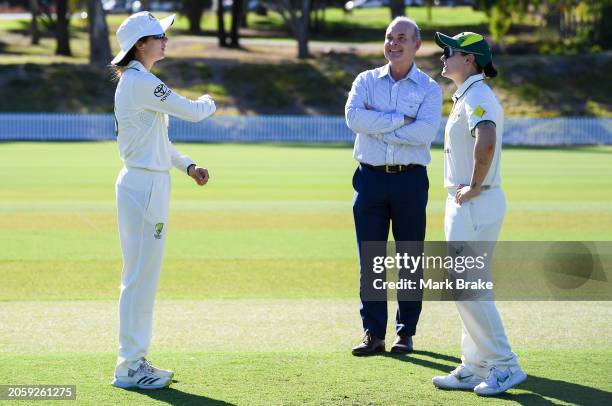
[370, 345]
[402, 344]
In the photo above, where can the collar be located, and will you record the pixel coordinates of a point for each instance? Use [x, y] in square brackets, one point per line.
[134, 64]
[466, 85]
[412, 73]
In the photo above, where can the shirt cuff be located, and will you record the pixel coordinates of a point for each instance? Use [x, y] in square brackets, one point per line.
[187, 162]
[398, 120]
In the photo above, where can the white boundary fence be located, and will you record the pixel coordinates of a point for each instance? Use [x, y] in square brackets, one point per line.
[294, 129]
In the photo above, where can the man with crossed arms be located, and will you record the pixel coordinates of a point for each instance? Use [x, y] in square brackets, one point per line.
[395, 112]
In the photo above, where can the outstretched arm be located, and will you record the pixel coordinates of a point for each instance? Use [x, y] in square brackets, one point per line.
[151, 93]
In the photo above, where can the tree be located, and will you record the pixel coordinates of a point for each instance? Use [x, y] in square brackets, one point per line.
[429, 4]
[99, 45]
[193, 11]
[34, 31]
[237, 14]
[398, 8]
[221, 34]
[296, 15]
[61, 28]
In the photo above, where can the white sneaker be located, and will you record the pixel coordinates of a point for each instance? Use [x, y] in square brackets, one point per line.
[158, 371]
[144, 377]
[460, 378]
[499, 381]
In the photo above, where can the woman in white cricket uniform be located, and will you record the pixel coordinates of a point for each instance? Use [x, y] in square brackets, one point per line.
[142, 105]
[475, 208]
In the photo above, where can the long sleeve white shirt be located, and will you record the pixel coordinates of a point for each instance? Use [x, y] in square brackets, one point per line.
[142, 105]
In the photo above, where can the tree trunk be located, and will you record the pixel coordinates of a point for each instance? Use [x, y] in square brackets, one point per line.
[397, 8]
[99, 45]
[303, 25]
[221, 34]
[193, 10]
[297, 19]
[34, 31]
[236, 20]
[244, 23]
[429, 7]
[63, 37]
[303, 52]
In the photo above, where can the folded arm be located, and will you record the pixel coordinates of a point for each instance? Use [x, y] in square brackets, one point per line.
[423, 129]
[362, 120]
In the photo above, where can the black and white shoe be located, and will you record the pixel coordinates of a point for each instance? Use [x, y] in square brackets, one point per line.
[158, 371]
[145, 377]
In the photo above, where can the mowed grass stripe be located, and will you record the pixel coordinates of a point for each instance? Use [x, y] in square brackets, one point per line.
[435, 206]
[183, 279]
[95, 222]
[278, 325]
[252, 173]
[204, 378]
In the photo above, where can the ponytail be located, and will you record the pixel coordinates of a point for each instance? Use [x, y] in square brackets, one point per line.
[118, 68]
[489, 70]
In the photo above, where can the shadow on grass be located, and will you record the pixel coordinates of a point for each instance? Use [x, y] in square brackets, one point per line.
[173, 396]
[541, 388]
[292, 88]
[56, 87]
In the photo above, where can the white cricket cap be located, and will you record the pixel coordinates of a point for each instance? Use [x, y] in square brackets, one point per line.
[136, 26]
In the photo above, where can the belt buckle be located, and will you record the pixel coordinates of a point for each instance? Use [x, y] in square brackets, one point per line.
[388, 170]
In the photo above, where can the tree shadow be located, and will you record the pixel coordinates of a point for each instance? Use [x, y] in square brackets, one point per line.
[174, 396]
[541, 388]
[293, 88]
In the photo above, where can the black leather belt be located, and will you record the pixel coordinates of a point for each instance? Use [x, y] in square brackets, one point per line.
[392, 168]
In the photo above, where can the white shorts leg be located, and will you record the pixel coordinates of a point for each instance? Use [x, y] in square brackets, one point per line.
[483, 343]
[142, 211]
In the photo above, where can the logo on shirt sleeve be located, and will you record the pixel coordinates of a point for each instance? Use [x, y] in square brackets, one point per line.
[479, 111]
[162, 92]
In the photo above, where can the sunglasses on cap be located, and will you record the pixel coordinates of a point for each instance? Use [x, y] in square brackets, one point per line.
[449, 52]
[160, 36]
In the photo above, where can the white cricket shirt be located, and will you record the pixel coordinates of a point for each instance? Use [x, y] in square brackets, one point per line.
[474, 102]
[142, 105]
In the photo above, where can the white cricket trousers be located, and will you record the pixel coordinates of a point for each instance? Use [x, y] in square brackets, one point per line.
[143, 199]
[483, 340]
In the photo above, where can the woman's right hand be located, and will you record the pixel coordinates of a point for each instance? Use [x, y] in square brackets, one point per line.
[200, 175]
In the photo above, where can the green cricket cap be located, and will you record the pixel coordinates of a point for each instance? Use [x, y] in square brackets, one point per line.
[468, 42]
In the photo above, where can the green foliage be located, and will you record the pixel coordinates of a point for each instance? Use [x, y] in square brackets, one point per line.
[499, 22]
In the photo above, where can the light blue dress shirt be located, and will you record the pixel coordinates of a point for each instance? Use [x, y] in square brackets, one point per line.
[382, 137]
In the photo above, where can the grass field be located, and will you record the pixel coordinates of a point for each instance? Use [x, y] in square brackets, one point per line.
[258, 298]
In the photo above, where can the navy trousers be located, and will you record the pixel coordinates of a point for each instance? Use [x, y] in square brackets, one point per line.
[383, 200]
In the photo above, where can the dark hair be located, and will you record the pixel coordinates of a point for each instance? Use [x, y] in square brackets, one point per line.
[488, 70]
[118, 68]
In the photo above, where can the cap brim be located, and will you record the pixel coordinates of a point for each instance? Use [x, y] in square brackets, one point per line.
[118, 57]
[444, 41]
[167, 22]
